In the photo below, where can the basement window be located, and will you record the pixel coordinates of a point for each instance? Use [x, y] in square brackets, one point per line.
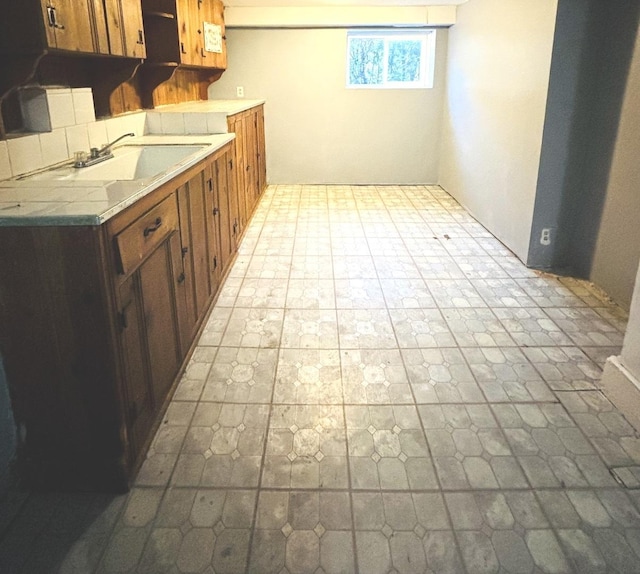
[390, 58]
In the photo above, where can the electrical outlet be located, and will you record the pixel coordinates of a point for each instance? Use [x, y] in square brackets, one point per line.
[240, 91]
[545, 236]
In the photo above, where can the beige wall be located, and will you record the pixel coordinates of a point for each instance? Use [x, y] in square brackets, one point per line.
[320, 132]
[497, 79]
[618, 247]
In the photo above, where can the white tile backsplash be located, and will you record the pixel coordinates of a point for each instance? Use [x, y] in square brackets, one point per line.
[61, 108]
[97, 134]
[83, 108]
[5, 164]
[25, 154]
[172, 123]
[31, 152]
[134, 123]
[195, 123]
[54, 147]
[115, 127]
[154, 123]
[77, 139]
[217, 123]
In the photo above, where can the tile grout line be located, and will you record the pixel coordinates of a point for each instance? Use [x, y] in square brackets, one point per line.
[259, 489]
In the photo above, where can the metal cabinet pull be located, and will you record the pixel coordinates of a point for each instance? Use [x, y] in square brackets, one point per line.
[181, 278]
[149, 230]
[140, 37]
[53, 18]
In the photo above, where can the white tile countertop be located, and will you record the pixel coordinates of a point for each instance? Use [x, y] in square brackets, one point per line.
[206, 116]
[227, 107]
[46, 202]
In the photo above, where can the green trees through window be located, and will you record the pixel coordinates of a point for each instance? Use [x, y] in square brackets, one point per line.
[366, 57]
[390, 59]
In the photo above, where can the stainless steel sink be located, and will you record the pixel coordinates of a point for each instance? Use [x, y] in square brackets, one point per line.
[130, 162]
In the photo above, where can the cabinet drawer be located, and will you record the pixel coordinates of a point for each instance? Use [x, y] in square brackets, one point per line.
[135, 242]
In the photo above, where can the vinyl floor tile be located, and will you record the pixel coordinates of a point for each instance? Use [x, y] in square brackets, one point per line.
[381, 386]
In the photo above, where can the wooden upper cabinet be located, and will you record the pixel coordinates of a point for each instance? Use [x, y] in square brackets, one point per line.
[110, 27]
[197, 19]
[68, 25]
[124, 27]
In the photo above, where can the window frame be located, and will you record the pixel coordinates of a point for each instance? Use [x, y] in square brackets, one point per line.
[427, 37]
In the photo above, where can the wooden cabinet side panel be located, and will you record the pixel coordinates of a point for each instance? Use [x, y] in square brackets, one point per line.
[57, 340]
[262, 152]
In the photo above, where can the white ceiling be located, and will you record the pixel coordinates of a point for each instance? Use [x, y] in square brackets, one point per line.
[338, 3]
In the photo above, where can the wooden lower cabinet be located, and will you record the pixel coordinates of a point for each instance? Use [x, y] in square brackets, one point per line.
[249, 160]
[97, 324]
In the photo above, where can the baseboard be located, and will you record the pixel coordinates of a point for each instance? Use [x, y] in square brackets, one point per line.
[622, 388]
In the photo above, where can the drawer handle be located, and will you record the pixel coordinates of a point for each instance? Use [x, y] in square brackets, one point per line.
[156, 225]
[181, 278]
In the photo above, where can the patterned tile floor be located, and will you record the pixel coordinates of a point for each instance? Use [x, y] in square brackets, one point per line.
[382, 387]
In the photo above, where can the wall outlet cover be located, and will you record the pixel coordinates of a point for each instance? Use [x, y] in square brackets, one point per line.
[545, 236]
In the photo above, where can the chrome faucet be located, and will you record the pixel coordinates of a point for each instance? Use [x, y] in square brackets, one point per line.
[97, 155]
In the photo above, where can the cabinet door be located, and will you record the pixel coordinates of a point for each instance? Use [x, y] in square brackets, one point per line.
[193, 233]
[139, 408]
[212, 211]
[68, 25]
[132, 29]
[100, 25]
[187, 12]
[251, 145]
[113, 17]
[232, 196]
[213, 11]
[225, 216]
[188, 320]
[237, 126]
[158, 275]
